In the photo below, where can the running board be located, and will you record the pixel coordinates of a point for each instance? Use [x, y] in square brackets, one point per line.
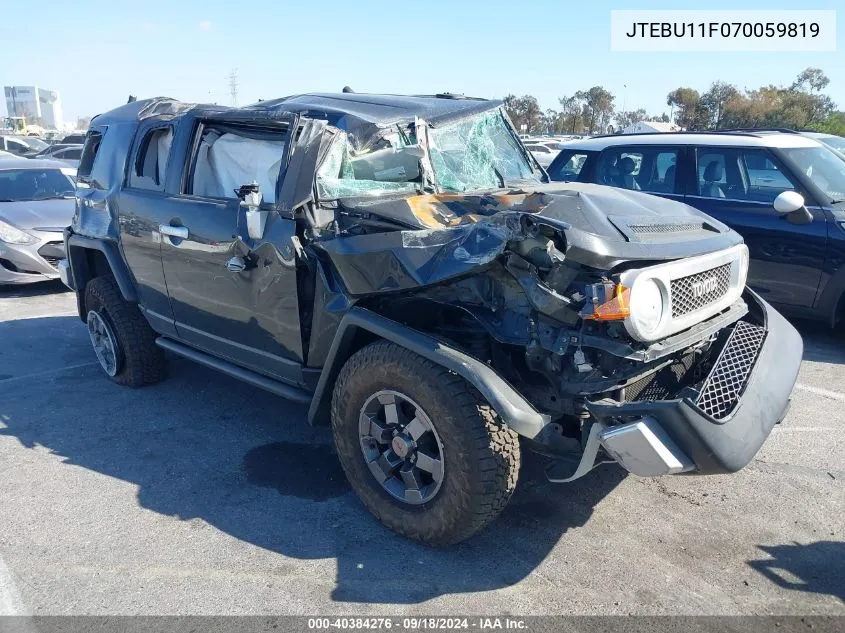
[230, 369]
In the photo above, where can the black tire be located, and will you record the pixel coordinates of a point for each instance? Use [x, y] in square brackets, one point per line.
[142, 360]
[481, 456]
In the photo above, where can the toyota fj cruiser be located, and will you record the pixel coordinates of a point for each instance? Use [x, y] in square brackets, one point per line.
[402, 266]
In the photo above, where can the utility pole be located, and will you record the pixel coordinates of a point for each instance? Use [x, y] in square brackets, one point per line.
[233, 86]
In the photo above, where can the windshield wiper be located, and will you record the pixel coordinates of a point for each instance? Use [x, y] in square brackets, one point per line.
[500, 177]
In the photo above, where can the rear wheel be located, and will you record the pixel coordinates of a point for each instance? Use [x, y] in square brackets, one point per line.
[424, 452]
[123, 341]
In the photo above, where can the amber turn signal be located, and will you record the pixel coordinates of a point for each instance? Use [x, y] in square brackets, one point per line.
[615, 309]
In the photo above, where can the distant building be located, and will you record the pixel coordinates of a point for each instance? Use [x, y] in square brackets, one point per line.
[35, 103]
[651, 126]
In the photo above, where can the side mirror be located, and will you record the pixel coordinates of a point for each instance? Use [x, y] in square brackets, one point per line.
[256, 218]
[791, 204]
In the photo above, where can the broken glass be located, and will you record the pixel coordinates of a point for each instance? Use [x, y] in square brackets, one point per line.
[477, 153]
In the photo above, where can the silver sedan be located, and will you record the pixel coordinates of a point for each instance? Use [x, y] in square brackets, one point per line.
[36, 204]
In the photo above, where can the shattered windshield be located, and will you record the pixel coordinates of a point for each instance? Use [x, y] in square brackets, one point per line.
[475, 153]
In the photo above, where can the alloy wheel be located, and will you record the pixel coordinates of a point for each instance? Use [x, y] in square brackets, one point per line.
[105, 343]
[401, 447]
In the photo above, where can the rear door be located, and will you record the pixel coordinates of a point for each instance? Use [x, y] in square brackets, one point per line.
[141, 212]
[738, 185]
[232, 295]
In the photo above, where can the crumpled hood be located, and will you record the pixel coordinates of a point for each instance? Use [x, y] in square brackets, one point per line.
[38, 214]
[602, 226]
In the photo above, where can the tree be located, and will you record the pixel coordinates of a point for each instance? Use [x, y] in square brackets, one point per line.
[570, 113]
[812, 78]
[799, 106]
[834, 124]
[630, 117]
[511, 107]
[690, 113]
[714, 100]
[552, 122]
[83, 122]
[525, 111]
[598, 107]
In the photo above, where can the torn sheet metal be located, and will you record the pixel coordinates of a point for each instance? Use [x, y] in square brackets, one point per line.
[402, 260]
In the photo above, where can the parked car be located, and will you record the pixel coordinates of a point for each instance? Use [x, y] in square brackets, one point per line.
[400, 265]
[542, 153]
[831, 140]
[749, 181]
[76, 138]
[49, 150]
[68, 155]
[21, 145]
[36, 204]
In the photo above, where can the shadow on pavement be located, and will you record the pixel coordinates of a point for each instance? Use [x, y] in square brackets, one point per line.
[813, 568]
[33, 290]
[821, 343]
[201, 445]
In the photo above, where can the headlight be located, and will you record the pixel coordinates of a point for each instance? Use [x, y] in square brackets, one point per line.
[13, 235]
[647, 306]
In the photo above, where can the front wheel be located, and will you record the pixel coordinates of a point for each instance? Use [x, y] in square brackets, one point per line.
[426, 455]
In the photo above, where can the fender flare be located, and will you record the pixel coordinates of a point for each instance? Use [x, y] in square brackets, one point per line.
[830, 298]
[81, 273]
[508, 403]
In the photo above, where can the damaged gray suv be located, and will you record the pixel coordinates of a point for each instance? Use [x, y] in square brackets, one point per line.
[402, 266]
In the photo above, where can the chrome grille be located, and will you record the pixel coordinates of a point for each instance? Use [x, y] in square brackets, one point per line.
[699, 290]
[723, 387]
[641, 229]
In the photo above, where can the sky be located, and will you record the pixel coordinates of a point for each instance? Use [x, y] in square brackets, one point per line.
[96, 53]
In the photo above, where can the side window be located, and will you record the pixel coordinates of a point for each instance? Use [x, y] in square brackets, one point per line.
[150, 166]
[765, 179]
[16, 147]
[658, 169]
[620, 168]
[712, 174]
[73, 154]
[227, 158]
[747, 174]
[89, 154]
[568, 165]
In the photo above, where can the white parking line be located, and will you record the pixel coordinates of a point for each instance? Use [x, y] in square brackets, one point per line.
[833, 395]
[10, 599]
[47, 372]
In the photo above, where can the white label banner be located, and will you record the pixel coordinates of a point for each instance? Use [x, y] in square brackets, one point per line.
[722, 30]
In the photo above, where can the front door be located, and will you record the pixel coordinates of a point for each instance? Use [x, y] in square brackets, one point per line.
[738, 186]
[232, 295]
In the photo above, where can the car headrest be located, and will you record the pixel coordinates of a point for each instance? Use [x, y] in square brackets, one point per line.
[713, 171]
[627, 165]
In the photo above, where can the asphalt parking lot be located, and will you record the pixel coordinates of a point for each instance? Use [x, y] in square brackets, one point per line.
[202, 495]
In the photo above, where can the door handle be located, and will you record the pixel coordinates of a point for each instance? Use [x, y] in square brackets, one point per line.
[180, 232]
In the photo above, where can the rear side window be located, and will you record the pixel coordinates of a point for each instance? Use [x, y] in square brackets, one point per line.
[150, 166]
[620, 169]
[89, 154]
[651, 169]
[228, 157]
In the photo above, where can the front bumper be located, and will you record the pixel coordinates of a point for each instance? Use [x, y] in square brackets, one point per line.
[30, 263]
[672, 436]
